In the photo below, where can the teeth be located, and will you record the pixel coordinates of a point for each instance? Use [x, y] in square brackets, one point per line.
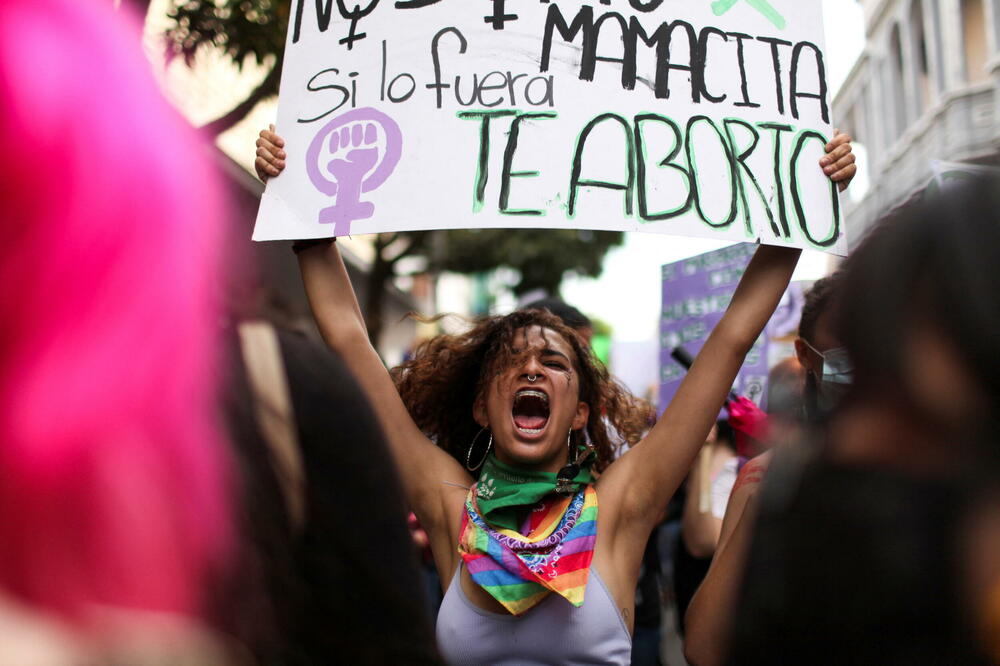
[531, 431]
[531, 393]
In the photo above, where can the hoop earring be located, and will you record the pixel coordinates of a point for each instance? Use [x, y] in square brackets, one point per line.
[564, 479]
[468, 456]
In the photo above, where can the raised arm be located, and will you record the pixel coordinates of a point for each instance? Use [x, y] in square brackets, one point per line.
[642, 481]
[708, 622]
[422, 465]
[331, 297]
[645, 477]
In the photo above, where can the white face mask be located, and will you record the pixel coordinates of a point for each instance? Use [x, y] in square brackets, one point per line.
[837, 368]
[835, 380]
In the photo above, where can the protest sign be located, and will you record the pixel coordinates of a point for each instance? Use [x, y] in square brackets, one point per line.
[696, 293]
[690, 117]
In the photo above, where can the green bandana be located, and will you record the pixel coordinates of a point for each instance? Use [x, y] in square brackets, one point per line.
[504, 492]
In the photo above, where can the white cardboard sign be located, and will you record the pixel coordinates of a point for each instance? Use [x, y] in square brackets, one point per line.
[689, 117]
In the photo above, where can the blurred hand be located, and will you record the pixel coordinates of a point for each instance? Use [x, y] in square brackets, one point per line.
[270, 154]
[838, 163]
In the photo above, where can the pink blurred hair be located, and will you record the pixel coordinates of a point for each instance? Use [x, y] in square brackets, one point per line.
[113, 465]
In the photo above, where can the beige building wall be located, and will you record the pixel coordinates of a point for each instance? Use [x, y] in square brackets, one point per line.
[925, 89]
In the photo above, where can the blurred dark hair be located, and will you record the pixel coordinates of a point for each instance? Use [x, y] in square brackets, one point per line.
[817, 301]
[724, 434]
[853, 565]
[570, 315]
[935, 262]
[345, 589]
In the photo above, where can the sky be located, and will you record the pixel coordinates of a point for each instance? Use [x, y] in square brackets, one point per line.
[627, 294]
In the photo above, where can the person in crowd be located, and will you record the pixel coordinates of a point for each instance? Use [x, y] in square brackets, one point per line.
[786, 388]
[709, 616]
[883, 546]
[570, 315]
[114, 505]
[707, 494]
[325, 572]
[498, 432]
[820, 353]
[710, 484]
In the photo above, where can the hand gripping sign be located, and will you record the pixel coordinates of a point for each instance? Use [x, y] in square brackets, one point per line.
[698, 118]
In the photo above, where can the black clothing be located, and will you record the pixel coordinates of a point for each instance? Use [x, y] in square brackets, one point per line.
[346, 589]
[853, 565]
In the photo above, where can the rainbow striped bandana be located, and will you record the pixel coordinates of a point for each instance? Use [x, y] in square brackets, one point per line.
[551, 553]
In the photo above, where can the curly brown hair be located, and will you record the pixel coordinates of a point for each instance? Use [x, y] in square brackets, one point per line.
[448, 373]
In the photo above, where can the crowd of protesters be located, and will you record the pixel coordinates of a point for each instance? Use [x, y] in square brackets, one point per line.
[180, 485]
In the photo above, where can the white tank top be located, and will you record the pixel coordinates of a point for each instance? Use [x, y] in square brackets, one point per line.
[553, 632]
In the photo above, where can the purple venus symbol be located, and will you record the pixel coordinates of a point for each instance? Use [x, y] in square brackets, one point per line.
[352, 154]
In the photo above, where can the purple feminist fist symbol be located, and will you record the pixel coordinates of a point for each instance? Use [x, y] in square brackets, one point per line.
[354, 153]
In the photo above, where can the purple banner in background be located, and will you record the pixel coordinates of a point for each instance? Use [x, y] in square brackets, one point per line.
[696, 293]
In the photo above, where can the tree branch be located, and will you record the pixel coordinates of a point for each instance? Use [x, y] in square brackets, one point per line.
[267, 88]
[417, 241]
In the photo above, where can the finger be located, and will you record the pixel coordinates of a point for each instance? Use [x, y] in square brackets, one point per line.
[839, 139]
[271, 136]
[270, 150]
[274, 137]
[272, 155]
[263, 166]
[845, 175]
[840, 164]
[276, 143]
[270, 159]
[844, 162]
[838, 153]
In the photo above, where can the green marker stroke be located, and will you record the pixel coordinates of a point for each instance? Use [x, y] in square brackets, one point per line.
[720, 7]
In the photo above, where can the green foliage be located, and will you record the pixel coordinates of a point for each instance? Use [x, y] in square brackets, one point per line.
[601, 345]
[542, 256]
[600, 326]
[240, 28]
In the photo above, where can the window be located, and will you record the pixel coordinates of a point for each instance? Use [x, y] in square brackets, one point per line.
[938, 49]
[974, 38]
[895, 86]
[921, 64]
[996, 21]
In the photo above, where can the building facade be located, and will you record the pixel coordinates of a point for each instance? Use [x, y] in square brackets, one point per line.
[925, 89]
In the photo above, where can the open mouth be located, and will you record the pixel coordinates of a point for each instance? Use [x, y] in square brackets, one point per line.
[530, 411]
